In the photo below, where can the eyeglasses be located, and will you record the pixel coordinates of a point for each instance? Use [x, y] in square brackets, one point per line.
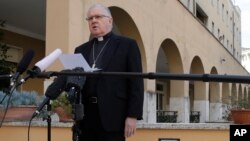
[97, 17]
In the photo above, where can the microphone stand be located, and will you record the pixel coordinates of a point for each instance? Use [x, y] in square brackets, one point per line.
[6, 76]
[48, 119]
[75, 99]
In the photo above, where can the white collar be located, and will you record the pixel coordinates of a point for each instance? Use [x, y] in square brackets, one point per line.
[100, 38]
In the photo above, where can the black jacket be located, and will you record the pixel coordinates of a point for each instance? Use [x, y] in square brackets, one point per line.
[118, 97]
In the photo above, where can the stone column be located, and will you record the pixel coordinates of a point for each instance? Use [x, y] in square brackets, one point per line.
[180, 104]
[149, 108]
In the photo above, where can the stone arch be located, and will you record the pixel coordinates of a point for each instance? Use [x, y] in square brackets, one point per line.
[245, 93]
[125, 25]
[226, 93]
[214, 89]
[215, 112]
[169, 61]
[240, 92]
[248, 94]
[234, 91]
[199, 97]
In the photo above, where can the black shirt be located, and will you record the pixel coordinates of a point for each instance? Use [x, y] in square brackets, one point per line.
[98, 47]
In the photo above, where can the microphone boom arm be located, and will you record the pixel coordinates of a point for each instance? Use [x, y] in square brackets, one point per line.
[152, 75]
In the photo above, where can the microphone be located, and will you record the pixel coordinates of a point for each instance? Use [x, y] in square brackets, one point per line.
[52, 92]
[22, 66]
[42, 65]
[75, 83]
[24, 63]
[74, 86]
[47, 61]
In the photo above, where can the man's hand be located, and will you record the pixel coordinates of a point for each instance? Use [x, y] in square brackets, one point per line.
[130, 126]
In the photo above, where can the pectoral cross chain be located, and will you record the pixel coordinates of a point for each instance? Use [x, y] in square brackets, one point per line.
[93, 66]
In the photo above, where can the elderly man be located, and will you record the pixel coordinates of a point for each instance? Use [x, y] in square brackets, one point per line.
[112, 104]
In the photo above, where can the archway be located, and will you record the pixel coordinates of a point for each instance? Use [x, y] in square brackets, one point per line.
[169, 61]
[240, 92]
[123, 24]
[234, 91]
[197, 91]
[245, 93]
[215, 110]
[226, 93]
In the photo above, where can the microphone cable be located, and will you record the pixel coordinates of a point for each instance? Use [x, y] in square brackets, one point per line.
[7, 106]
[29, 128]
[3, 99]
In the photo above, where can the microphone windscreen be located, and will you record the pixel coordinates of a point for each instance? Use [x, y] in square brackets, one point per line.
[25, 61]
[76, 81]
[48, 60]
[57, 86]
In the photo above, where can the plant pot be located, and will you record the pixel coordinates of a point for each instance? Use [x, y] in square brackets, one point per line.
[241, 116]
[20, 113]
[63, 115]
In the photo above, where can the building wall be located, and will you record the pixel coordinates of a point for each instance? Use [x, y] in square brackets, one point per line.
[245, 59]
[39, 133]
[167, 26]
[75, 31]
[164, 26]
[223, 17]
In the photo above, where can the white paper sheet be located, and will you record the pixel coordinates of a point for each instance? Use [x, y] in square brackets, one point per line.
[71, 61]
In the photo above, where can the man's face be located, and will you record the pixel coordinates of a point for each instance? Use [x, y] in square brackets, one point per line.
[99, 22]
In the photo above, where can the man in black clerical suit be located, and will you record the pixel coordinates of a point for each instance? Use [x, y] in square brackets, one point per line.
[112, 105]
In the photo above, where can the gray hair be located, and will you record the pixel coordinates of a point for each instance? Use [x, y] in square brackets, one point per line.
[102, 7]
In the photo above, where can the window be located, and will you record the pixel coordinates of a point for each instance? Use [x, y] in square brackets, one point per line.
[231, 24]
[218, 33]
[222, 11]
[212, 30]
[227, 18]
[221, 38]
[201, 15]
[160, 91]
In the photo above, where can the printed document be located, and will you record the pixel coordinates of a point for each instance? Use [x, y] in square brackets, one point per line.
[71, 61]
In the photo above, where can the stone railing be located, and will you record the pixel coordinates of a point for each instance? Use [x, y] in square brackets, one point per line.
[194, 116]
[166, 116]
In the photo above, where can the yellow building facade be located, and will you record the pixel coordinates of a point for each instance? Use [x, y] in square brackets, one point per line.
[171, 40]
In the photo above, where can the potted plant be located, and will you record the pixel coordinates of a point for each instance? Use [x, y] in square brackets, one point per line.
[238, 110]
[62, 107]
[21, 105]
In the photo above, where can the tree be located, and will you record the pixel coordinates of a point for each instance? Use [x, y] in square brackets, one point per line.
[6, 67]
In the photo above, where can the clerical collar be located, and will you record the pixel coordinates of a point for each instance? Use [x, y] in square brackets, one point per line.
[105, 37]
[100, 39]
